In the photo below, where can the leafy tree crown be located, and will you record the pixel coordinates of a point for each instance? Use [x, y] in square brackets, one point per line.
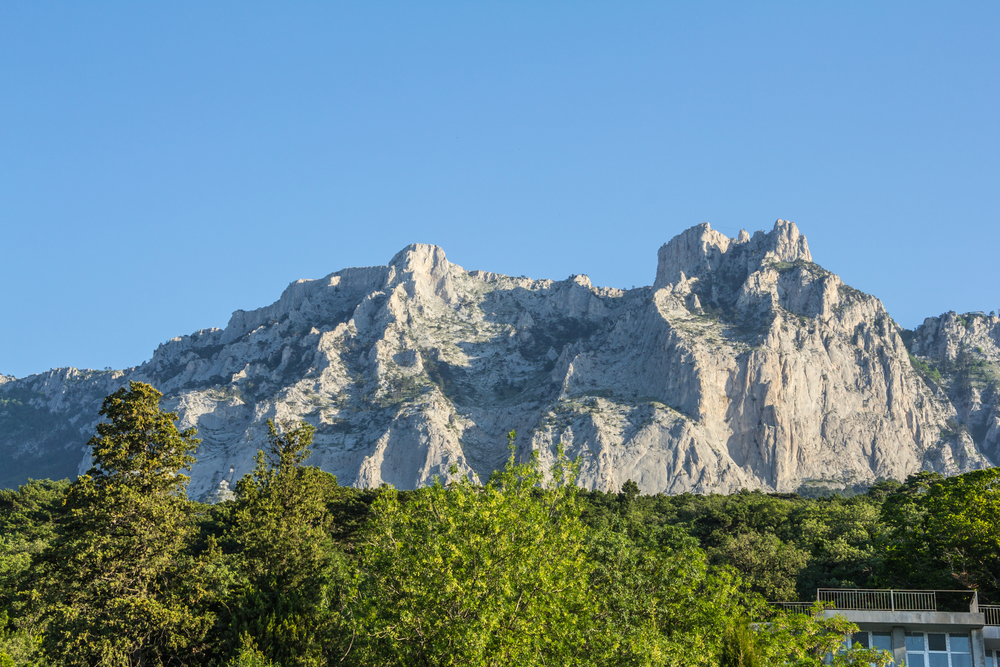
[140, 446]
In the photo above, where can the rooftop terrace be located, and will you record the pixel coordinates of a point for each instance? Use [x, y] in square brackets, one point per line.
[896, 600]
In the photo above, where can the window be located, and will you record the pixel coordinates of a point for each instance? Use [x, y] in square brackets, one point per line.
[882, 640]
[937, 649]
[879, 640]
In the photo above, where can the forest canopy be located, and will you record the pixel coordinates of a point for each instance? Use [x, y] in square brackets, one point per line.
[119, 567]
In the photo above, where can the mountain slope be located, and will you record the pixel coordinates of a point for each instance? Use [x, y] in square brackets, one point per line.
[745, 365]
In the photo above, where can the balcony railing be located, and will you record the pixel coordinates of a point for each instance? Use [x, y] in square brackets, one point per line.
[992, 613]
[861, 599]
[804, 608]
[897, 600]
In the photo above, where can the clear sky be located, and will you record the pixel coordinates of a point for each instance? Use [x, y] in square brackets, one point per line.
[163, 164]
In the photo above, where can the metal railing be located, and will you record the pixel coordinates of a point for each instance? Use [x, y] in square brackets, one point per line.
[992, 613]
[803, 608]
[858, 599]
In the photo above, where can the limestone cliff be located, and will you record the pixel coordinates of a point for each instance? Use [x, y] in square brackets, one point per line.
[745, 365]
[960, 356]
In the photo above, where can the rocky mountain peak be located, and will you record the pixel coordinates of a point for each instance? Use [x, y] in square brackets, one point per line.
[786, 243]
[946, 337]
[420, 257]
[423, 271]
[747, 366]
[696, 251]
[700, 252]
[960, 356]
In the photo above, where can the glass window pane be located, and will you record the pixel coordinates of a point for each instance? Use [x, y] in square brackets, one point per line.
[935, 642]
[960, 644]
[915, 660]
[914, 642]
[937, 660]
[960, 660]
[882, 640]
[861, 639]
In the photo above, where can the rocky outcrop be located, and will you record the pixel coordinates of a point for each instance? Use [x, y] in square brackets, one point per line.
[701, 251]
[960, 355]
[745, 365]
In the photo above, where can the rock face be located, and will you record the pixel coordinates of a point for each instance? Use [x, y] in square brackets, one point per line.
[745, 365]
[959, 355]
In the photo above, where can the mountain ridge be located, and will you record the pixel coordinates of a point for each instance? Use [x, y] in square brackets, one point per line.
[744, 365]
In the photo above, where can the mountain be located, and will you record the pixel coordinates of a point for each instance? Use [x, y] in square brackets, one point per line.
[744, 365]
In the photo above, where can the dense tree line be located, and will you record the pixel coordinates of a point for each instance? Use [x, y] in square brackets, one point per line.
[121, 568]
[929, 532]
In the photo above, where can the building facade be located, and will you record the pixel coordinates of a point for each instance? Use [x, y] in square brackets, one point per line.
[920, 628]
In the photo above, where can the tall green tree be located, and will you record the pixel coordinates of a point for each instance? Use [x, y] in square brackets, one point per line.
[656, 601]
[293, 573]
[27, 527]
[841, 538]
[963, 524]
[467, 575]
[911, 559]
[117, 586]
[771, 565]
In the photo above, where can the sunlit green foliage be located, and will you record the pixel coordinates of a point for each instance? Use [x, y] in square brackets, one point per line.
[510, 574]
[785, 546]
[465, 575]
[656, 600]
[963, 521]
[120, 568]
[799, 640]
[945, 532]
[249, 655]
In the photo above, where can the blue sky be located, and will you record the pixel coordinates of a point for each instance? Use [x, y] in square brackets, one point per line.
[163, 164]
